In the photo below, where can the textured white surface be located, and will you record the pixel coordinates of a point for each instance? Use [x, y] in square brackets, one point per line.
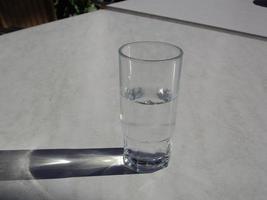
[237, 15]
[59, 89]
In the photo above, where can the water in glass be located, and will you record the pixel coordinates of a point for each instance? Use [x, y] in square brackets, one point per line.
[147, 120]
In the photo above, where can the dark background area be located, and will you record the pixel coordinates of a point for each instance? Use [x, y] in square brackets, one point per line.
[19, 14]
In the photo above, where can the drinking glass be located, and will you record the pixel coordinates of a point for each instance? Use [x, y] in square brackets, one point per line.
[149, 82]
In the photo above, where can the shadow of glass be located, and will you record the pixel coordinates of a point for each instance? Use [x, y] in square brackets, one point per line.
[61, 163]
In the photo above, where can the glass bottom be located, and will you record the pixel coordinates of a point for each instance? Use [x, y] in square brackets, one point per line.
[145, 162]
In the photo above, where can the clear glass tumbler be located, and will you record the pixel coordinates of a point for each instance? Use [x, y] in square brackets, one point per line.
[149, 82]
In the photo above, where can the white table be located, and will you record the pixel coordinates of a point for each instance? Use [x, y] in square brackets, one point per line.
[235, 15]
[59, 89]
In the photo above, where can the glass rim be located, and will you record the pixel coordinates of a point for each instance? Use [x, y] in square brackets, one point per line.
[179, 54]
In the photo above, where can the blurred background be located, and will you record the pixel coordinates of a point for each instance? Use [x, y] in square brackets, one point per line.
[19, 14]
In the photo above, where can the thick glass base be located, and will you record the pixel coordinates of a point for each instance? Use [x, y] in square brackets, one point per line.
[145, 162]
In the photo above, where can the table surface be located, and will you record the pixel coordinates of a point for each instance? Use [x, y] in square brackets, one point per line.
[59, 89]
[236, 15]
